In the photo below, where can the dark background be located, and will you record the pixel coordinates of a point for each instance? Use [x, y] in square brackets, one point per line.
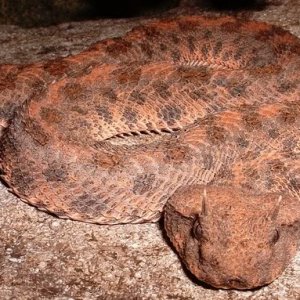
[31, 13]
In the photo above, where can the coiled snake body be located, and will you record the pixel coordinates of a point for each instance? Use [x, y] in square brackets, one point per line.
[195, 116]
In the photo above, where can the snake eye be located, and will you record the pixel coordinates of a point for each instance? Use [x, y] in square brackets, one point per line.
[275, 237]
[197, 230]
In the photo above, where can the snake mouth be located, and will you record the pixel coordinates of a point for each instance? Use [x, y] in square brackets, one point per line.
[237, 282]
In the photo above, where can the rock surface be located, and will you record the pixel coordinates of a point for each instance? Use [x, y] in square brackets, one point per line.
[42, 257]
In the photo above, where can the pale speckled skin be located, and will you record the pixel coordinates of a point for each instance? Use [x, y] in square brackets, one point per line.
[111, 134]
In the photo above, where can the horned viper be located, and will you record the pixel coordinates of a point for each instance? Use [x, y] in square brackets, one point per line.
[197, 118]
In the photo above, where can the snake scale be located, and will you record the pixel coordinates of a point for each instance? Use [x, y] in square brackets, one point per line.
[194, 117]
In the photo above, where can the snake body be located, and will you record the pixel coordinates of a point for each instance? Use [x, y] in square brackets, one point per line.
[110, 135]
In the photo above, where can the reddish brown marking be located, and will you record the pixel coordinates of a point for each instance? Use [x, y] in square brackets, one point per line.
[117, 46]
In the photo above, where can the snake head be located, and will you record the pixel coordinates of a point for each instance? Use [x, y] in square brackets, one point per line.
[231, 239]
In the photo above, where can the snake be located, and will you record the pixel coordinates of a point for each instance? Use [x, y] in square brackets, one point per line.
[194, 120]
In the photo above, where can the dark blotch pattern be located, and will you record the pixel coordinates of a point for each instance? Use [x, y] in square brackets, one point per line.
[151, 32]
[55, 173]
[118, 47]
[242, 142]
[175, 56]
[163, 47]
[286, 87]
[74, 91]
[126, 75]
[204, 50]
[143, 183]
[105, 113]
[252, 120]
[138, 97]
[23, 180]
[238, 90]
[290, 114]
[51, 115]
[276, 166]
[36, 132]
[191, 40]
[176, 154]
[170, 114]
[238, 54]
[39, 89]
[174, 38]
[225, 173]
[269, 33]
[231, 26]
[208, 160]
[294, 184]
[216, 134]
[109, 94]
[8, 79]
[147, 49]
[90, 205]
[198, 94]
[207, 34]
[187, 25]
[162, 89]
[56, 67]
[217, 48]
[273, 133]
[197, 75]
[130, 115]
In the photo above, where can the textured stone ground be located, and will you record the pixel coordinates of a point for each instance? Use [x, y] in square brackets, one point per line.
[42, 257]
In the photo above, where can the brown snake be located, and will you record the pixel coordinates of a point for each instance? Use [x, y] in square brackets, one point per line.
[197, 117]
